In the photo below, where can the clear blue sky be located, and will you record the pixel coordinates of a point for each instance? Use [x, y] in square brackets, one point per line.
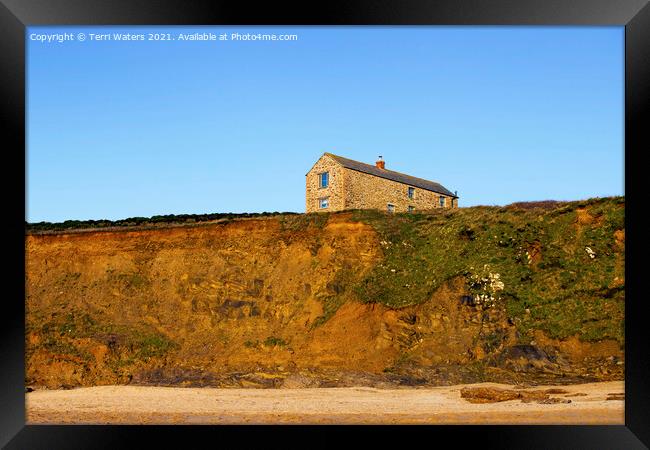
[500, 114]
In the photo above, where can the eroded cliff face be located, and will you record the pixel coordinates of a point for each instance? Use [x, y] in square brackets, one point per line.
[261, 302]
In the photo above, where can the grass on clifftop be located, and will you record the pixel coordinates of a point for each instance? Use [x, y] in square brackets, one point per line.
[551, 282]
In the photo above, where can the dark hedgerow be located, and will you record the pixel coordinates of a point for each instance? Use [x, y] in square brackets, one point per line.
[144, 221]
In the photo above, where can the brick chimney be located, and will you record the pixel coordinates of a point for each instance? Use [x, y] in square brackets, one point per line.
[381, 163]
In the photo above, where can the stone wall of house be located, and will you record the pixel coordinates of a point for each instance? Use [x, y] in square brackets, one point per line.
[334, 192]
[351, 189]
[364, 191]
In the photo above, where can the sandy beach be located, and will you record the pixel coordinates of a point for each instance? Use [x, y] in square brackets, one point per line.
[353, 405]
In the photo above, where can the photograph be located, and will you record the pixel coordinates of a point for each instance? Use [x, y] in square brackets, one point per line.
[319, 225]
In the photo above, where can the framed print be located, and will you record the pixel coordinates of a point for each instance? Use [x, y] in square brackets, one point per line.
[367, 213]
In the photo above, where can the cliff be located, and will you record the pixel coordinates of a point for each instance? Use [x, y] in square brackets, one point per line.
[526, 292]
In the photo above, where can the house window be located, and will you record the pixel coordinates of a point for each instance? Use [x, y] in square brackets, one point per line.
[323, 202]
[442, 202]
[411, 209]
[390, 207]
[323, 179]
[411, 191]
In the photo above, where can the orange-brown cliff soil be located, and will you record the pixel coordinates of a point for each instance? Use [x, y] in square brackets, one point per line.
[270, 302]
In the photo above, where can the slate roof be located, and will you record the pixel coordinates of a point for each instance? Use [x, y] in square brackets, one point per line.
[392, 175]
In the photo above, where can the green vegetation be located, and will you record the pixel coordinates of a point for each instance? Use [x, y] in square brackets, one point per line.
[61, 347]
[132, 280]
[539, 251]
[252, 344]
[150, 345]
[492, 341]
[335, 296]
[140, 343]
[273, 341]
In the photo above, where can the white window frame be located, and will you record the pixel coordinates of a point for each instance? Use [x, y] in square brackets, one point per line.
[443, 201]
[320, 180]
[320, 203]
[410, 192]
[388, 207]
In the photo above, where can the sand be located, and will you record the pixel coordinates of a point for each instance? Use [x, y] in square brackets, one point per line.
[352, 405]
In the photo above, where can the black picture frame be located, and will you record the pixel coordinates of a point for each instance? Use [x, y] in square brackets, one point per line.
[15, 15]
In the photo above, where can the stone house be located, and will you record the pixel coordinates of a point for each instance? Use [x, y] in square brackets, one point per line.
[335, 183]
